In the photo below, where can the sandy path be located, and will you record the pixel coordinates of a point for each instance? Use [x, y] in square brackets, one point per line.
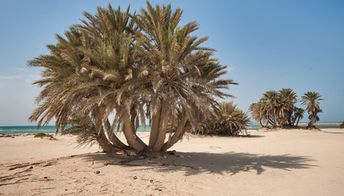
[284, 162]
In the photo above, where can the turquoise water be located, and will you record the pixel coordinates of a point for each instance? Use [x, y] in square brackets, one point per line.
[257, 126]
[26, 129]
[34, 129]
[52, 129]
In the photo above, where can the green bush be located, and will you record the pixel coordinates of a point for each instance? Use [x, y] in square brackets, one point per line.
[44, 135]
[341, 125]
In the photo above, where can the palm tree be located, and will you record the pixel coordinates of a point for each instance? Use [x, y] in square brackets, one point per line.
[259, 114]
[312, 100]
[271, 103]
[288, 99]
[84, 73]
[298, 115]
[183, 76]
[143, 67]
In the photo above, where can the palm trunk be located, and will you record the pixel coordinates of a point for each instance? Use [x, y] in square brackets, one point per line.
[113, 138]
[312, 122]
[162, 128]
[272, 122]
[135, 142]
[297, 122]
[156, 118]
[104, 143]
[133, 115]
[178, 134]
[260, 122]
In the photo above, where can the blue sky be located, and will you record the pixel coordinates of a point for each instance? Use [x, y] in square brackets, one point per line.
[267, 45]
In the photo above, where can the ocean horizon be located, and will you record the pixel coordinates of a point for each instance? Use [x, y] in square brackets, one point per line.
[32, 129]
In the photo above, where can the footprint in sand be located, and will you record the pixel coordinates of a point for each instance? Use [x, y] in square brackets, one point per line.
[214, 147]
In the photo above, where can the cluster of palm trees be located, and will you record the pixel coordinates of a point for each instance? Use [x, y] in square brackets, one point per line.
[118, 70]
[278, 109]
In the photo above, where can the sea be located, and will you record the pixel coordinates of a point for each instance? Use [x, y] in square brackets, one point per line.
[43, 129]
[52, 129]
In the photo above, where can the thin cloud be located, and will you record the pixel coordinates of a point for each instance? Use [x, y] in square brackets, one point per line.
[6, 80]
[10, 77]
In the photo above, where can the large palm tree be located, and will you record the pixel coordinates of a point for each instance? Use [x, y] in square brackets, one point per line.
[143, 67]
[312, 100]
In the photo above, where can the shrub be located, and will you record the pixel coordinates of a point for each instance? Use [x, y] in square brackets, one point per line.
[341, 125]
[44, 135]
[229, 121]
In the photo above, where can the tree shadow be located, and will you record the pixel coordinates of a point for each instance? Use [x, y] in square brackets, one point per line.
[251, 136]
[237, 136]
[194, 163]
[24, 173]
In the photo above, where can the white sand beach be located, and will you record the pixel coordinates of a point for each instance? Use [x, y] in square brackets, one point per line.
[281, 162]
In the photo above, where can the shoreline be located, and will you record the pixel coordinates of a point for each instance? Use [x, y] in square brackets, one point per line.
[327, 130]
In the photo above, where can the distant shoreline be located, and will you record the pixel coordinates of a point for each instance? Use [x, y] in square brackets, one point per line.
[301, 123]
[29, 130]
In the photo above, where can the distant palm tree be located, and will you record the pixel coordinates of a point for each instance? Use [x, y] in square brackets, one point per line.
[312, 100]
[271, 104]
[288, 99]
[298, 115]
[258, 113]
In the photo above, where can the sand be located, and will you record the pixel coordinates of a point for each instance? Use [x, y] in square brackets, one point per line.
[280, 162]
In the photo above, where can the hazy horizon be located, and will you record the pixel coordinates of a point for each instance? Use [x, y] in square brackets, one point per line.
[267, 45]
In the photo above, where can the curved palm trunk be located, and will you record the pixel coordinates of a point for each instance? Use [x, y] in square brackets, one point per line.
[297, 122]
[101, 137]
[133, 118]
[261, 123]
[133, 140]
[113, 138]
[156, 121]
[178, 134]
[105, 137]
[272, 122]
[161, 133]
[104, 143]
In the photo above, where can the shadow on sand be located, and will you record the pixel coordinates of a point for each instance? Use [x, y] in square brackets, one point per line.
[195, 163]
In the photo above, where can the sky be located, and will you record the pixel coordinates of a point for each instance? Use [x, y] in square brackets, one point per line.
[266, 44]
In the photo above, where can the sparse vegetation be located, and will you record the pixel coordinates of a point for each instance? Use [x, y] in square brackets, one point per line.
[229, 121]
[44, 135]
[341, 125]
